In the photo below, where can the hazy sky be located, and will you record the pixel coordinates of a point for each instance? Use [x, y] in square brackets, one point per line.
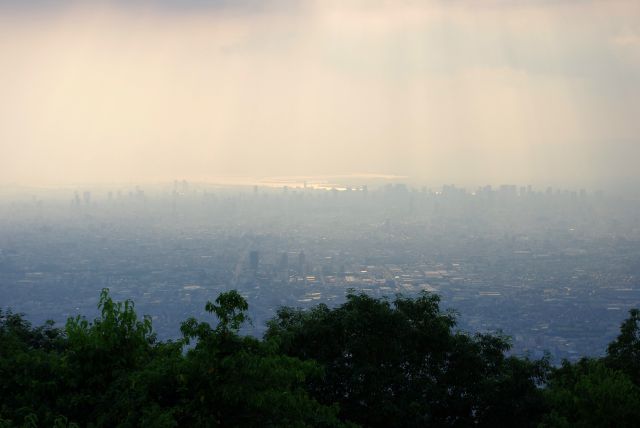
[442, 91]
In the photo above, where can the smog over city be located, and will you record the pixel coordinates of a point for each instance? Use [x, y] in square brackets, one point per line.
[313, 156]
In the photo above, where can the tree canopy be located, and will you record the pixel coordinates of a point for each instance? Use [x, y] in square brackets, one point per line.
[368, 362]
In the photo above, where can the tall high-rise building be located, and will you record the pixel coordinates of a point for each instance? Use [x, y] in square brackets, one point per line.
[302, 264]
[284, 262]
[283, 267]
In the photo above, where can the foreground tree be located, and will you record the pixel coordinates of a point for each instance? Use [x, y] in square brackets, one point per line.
[624, 352]
[589, 394]
[602, 392]
[243, 382]
[401, 363]
[372, 362]
[113, 372]
[31, 361]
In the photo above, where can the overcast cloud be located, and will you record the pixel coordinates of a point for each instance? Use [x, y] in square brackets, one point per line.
[462, 92]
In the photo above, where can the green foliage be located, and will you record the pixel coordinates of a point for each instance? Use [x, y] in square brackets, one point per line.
[113, 372]
[589, 394]
[101, 358]
[30, 362]
[401, 363]
[245, 380]
[373, 362]
[599, 392]
[229, 308]
[624, 352]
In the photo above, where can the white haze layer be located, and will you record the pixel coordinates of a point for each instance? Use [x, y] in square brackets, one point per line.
[464, 92]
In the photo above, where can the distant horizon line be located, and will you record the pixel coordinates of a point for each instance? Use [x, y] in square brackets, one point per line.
[319, 182]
